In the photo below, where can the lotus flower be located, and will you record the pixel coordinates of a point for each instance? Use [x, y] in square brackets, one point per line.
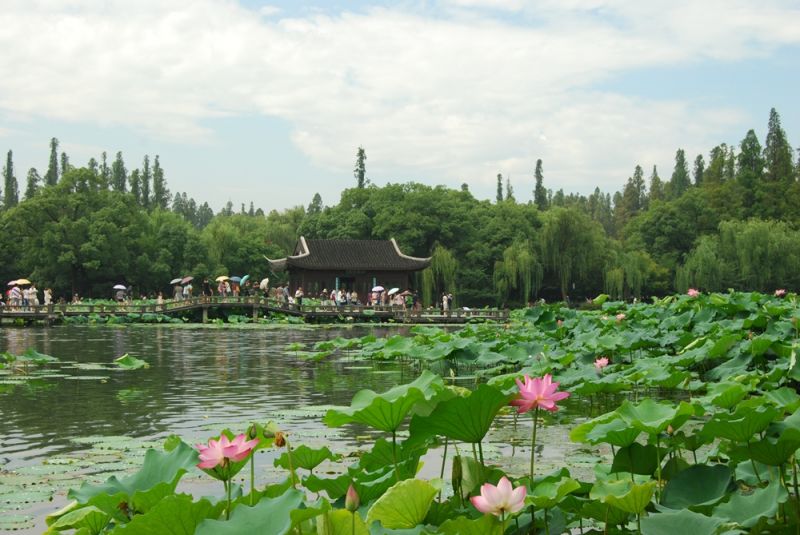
[500, 500]
[621, 316]
[692, 292]
[538, 392]
[600, 363]
[780, 292]
[219, 451]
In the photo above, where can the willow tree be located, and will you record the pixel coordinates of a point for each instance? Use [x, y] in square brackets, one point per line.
[440, 276]
[703, 267]
[519, 270]
[614, 282]
[572, 245]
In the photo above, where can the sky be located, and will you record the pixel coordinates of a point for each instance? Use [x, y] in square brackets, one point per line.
[269, 101]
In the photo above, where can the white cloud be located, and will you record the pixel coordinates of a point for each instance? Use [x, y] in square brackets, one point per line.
[452, 98]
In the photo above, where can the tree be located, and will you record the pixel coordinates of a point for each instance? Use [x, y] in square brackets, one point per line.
[316, 205]
[105, 171]
[11, 191]
[509, 190]
[119, 175]
[777, 152]
[499, 187]
[65, 165]
[160, 191]
[360, 170]
[539, 193]
[750, 168]
[571, 244]
[51, 177]
[680, 176]
[145, 176]
[136, 186]
[656, 186]
[633, 200]
[519, 272]
[699, 169]
[32, 183]
[715, 172]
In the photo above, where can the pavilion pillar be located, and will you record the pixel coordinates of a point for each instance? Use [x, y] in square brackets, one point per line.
[205, 314]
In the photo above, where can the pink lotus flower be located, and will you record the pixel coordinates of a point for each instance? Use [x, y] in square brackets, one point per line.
[621, 316]
[780, 292]
[600, 363]
[500, 500]
[219, 451]
[692, 292]
[559, 323]
[539, 392]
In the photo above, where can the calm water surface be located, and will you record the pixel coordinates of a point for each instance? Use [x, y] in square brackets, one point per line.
[200, 380]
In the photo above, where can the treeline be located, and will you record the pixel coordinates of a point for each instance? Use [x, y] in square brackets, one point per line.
[725, 220]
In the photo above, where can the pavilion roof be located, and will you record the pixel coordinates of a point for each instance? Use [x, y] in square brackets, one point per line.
[361, 255]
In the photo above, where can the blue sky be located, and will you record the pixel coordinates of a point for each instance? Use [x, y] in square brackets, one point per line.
[268, 101]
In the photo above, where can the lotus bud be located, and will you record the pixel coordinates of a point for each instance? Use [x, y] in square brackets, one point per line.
[252, 433]
[351, 500]
[280, 439]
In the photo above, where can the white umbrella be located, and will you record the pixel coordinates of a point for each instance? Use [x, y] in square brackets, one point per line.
[393, 291]
[378, 289]
[120, 287]
[264, 284]
[175, 281]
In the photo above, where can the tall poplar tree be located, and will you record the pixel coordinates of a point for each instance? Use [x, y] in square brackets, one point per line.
[119, 175]
[11, 191]
[679, 182]
[539, 193]
[105, 171]
[136, 186]
[699, 169]
[777, 152]
[33, 183]
[145, 177]
[160, 191]
[656, 186]
[499, 187]
[65, 165]
[360, 170]
[51, 177]
[509, 190]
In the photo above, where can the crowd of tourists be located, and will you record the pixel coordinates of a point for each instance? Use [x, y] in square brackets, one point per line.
[25, 295]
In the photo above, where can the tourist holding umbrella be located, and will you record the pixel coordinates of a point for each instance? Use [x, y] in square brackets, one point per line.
[119, 295]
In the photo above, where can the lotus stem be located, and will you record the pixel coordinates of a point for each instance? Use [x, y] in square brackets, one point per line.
[533, 442]
[228, 492]
[444, 461]
[252, 478]
[354, 522]
[546, 523]
[291, 464]
[503, 522]
[658, 466]
[753, 463]
[480, 451]
[394, 455]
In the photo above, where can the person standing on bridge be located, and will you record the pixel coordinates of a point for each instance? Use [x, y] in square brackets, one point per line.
[48, 296]
[298, 295]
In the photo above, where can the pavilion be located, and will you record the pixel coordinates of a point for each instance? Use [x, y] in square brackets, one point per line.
[358, 265]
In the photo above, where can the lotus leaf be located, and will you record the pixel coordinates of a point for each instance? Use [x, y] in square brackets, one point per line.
[176, 515]
[624, 495]
[306, 458]
[684, 521]
[405, 504]
[485, 525]
[549, 493]
[270, 516]
[699, 484]
[89, 518]
[653, 417]
[741, 425]
[636, 459]
[341, 522]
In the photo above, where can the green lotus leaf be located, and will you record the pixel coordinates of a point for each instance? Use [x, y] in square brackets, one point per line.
[341, 522]
[699, 484]
[89, 518]
[176, 515]
[761, 343]
[784, 398]
[636, 459]
[684, 521]
[654, 417]
[624, 494]
[723, 345]
[463, 418]
[741, 425]
[127, 362]
[485, 525]
[724, 395]
[270, 516]
[158, 467]
[603, 512]
[549, 493]
[386, 411]
[31, 355]
[404, 505]
[774, 452]
[306, 458]
[747, 509]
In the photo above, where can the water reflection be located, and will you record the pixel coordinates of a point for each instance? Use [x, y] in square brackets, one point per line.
[197, 377]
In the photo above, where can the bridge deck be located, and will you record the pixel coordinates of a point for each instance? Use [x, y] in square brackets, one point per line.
[255, 305]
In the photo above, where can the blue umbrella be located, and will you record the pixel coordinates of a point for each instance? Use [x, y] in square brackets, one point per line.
[235, 279]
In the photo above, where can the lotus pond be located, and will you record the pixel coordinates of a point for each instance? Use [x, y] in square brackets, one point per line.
[681, 416]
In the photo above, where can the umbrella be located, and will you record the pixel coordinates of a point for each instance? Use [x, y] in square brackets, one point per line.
[175, 281]
[244, 279]
[22, 282]
[120, 287]
[394, 291]
[235, 279]
[378, 289]
[404, 294]
[187, 280]
[12, 283]
[264, 284]
[221, 278]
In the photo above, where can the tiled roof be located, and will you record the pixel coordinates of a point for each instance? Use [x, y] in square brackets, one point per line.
[370, 255]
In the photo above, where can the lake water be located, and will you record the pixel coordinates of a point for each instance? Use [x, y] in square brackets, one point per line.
[83, 421]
